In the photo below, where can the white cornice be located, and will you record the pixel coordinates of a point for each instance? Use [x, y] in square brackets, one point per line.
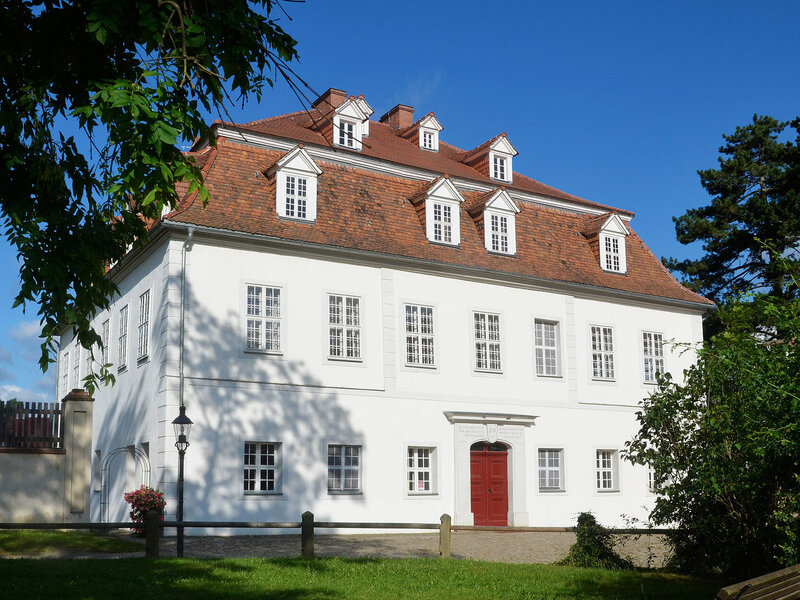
[351, 159]
[484, 418]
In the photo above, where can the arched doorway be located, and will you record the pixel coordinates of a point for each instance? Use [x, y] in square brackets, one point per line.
[141, 458]
[489, 483]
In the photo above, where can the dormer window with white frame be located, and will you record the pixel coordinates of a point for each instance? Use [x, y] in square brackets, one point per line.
[613, 255]
[351, 123]
[499, 223]
[296, 185]
[429, 128]
[443, 212]
[501, 153]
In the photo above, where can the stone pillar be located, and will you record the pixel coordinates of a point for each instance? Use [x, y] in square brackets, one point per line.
[77, 422]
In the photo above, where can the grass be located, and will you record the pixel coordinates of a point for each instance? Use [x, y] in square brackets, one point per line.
[324, 579]
[39, 542]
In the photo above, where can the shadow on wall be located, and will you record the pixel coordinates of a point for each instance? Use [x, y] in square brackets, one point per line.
[275, 400]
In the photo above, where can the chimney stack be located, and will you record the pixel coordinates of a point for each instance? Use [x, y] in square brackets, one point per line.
[400, 117]
[329, 100]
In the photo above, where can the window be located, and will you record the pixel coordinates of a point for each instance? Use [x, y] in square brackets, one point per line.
[602, 352]
[612, 253]
[344, 327]
[76, 367]
[651, 479]
[442, 223]
[123, 338]
[550, 470]
[499, 167]
[606, 466]
[546, 338]
[487, 341]
[420, 470]
[104, 339]
[144, 326]
[419, 335]
[63, 371]
[344, 468]
[88, 361]
[262, 468]
[263, 319]
[653, 351]
[427, 140]
[296, 197]
[347, 134]
[499, 225]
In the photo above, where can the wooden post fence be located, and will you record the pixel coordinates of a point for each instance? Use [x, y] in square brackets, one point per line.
[444, 536]
[307, 535]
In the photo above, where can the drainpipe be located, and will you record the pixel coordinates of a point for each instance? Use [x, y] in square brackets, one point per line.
[184, 249]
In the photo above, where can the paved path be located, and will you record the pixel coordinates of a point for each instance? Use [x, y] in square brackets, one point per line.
[497, 546]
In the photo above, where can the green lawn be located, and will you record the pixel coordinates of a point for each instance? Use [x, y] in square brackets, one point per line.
[322, 579]
[34, 542]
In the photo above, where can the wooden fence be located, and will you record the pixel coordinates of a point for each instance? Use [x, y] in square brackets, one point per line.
[34, 425]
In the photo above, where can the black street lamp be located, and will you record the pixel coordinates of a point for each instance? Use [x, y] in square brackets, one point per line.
[182, 425]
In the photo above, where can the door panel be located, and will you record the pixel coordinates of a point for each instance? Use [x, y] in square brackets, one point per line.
[489, 487]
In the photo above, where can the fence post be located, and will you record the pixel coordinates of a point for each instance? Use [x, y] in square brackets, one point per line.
[307, 535]
[151, 523]
[444, 536]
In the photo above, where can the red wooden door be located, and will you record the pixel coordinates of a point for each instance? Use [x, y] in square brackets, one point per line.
[489, 483]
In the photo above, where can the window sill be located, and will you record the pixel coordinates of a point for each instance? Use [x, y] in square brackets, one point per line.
[345, 359]
[418, 366]
[142, 360]
[264, 352]
[604, 380]
[297, 219]
[546, 376]
[345, 493]
[122, 368]
[490, 371]
[422, 494]
[610, 272]
[616, 491]
[498, 253]
[445, 244]
[262, 494]
[552, 491]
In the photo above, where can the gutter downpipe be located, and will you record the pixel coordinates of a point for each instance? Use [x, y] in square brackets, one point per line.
[184, 249]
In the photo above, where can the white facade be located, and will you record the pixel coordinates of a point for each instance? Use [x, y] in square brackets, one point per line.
[303, 400]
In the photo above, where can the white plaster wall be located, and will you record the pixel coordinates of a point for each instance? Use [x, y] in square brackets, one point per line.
[25, 477]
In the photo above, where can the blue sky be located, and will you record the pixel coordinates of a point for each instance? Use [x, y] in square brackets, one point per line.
[617, 102]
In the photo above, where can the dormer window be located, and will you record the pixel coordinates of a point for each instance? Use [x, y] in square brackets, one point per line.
[495, 212]
[612, 253]
[493, 158]
[425, 132]
[351, 123]
[427, 140]
[441, 212]
[296, 185]
[606, 236]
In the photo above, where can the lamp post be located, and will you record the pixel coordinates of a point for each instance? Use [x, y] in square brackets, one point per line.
[182, 425]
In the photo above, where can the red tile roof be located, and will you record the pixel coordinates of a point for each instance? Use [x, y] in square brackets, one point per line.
[359, 209]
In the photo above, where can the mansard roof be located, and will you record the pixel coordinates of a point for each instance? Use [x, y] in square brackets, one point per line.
[371, 212]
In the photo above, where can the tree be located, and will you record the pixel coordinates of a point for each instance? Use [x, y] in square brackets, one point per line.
[755, 205]
[95, 96]
[725, 446]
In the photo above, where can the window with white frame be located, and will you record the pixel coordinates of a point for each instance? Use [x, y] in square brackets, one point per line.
[551, 469]
[123, 338]
[602, 352]
[443, 223]
[105, 334]
[606, 470]
[419, 335]
[262, 318]
[499, 233]
[428, 140]
[486, 333]
[344, 327]
[76, 366]
[88, 365]
[651, 479]
[653, 351]
[499, 167]
[613, 253]
[420, 462]
[296, 197]
[546, 346]
[143, 345]
[63, 372]
[262, 467]
[347, 134]
[344, 468]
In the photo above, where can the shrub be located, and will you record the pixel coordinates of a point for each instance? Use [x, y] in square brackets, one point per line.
[594, 547]
[143, 500]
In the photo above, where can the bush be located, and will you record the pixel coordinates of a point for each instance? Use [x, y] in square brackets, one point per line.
[143, 500]
[594, 547]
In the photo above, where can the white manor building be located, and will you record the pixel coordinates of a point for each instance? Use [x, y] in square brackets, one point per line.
[379, 326]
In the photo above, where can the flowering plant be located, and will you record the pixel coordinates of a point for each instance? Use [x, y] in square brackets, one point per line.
[143, 500]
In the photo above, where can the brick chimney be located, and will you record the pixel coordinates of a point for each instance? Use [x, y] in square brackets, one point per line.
[400, 117]
[329, 100]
